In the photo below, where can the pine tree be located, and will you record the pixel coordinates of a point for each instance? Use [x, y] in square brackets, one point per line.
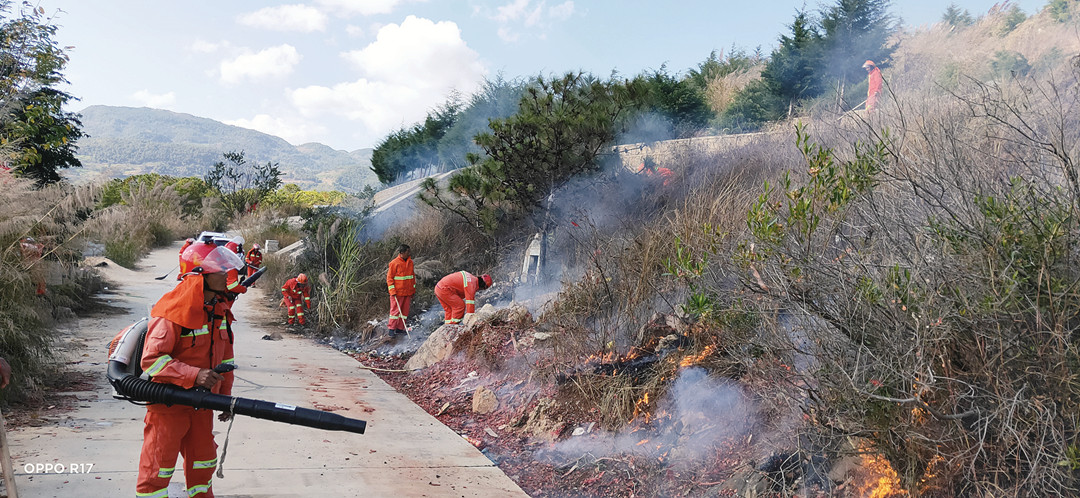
[792, 71]
[853, 32]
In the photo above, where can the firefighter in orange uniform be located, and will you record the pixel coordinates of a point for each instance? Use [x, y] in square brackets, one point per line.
[297, 296]
[400, 282]
[457, 294]
[189, 334]
[873, 91]
[253, 259]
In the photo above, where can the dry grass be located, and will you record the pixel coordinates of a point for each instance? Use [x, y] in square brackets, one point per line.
[54, 217]
[721, 91]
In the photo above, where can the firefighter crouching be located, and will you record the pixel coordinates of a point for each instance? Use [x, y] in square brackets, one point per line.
[189, 334]
[296, 296]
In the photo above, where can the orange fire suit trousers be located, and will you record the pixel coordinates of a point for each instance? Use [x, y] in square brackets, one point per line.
[296, 309]
[452, 303]
[171, 430]
[398, 314]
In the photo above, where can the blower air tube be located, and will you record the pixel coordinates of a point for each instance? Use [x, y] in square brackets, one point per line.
[143, 390]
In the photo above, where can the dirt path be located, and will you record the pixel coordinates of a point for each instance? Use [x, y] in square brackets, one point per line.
[405, 451]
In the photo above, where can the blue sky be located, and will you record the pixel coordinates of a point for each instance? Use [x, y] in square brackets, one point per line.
[347, 72]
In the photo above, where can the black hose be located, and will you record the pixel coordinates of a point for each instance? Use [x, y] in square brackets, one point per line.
[138, 389]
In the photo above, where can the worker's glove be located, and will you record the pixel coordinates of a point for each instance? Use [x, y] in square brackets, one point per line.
[224, 416]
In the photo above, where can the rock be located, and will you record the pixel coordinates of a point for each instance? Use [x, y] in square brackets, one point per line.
[661, 325]
[484, 401]
[273, 336]
[541, 336]
[63, 314]
[537, 422]
[578, 431]
[667, 342]
[438, 347]
[515, 314]
[747, 483]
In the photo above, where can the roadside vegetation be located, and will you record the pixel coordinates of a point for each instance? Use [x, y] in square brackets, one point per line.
[896, 288]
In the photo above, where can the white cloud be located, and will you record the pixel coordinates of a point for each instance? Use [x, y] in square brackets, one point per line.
[158, 101]
[272, 62]
[408, 70]
[562, 11]
[299, 17]
[205, 47]
[354, 31]
[296, 131]
[362, 7]
[519, 14]
[511, 11]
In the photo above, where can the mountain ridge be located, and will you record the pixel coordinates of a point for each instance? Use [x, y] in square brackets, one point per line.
[124, 141]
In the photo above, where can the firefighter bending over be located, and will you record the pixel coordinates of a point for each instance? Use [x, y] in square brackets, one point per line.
[296, 295]
[457, 294]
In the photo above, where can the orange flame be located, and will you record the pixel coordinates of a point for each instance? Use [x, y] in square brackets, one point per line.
[883, 481]
[695, 359]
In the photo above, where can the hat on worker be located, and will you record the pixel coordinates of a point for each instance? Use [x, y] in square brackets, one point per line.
[487, 280]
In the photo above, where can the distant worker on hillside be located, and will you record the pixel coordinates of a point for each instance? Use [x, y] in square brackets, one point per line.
[253, 259]
[296, 295]
[400, 282]
[651, 171]
[876, 82]
[457, 294]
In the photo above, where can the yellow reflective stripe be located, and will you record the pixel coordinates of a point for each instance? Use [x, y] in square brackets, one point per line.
[201, 488]
[410, 277]
[203, 331]
[299, 313]
[161, 493]
[464, 280]
[223, 325]
[394, 317]
[158, 365]
[165, 473]
[230, 361]
[470, 301]
[390, 287]
[454, 320]
[232, 285]
[204, 464]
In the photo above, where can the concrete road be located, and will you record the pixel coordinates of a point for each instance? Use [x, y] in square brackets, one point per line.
[94, 449]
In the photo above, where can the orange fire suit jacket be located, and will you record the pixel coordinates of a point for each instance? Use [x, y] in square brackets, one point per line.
[254, 258]
[400, 280]
[185, 335]
[463, 284]
[294, 290]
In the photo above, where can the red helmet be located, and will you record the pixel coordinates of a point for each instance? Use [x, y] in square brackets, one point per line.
[255, 245]
[868, 64]
[209, 258]
[301, 279]
[487, 280]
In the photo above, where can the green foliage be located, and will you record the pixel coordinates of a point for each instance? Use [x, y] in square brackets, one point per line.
[1008, 64]
[1013, 17]
[717, 66]
[854, 31]
[124, 251]
[953, 16]
[753, 106]
[1061, 10]
[192, 190]
[37, 137]
[416, 147]
[497, 99]
[561, 127]
[792, 71]
[680, 102]
[241, 185]
[291, 199]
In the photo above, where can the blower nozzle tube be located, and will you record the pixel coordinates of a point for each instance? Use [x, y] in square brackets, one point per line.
[138, 389]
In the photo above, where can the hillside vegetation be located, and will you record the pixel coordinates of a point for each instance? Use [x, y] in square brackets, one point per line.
[895, 289]
[125, 141]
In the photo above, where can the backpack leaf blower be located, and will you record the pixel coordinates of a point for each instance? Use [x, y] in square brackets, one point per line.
[131, 383]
